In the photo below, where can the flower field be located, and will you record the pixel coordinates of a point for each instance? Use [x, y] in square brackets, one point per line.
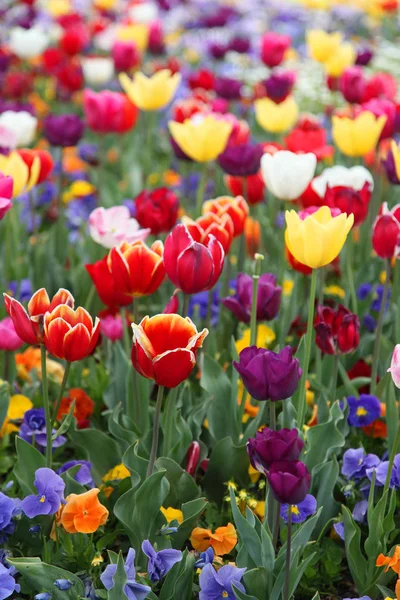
[200, 325]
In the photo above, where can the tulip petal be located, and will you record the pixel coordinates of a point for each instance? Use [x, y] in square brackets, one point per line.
[54, 334]
[39, 303]
[173, 367]
[22, 323]
[218, 255]
[119, 269]
[167, 332]
[63, 296]
[176, 242]
[76, 343]
[195, 269]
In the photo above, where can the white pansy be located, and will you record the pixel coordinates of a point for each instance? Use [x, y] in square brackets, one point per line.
[287, 174]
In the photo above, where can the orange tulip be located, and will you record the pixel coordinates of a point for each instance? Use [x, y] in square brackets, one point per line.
[220, 226]
[70, 334]
[165, 347]
[83, 513]
[252, 234]
[237, 208]
[223, 540]
[137, 269]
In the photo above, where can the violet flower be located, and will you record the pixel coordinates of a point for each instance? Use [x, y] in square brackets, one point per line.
[300, 511]
[83, 476]
[268, 298]
[363, 410]
[289, 481]
[63, 130]
[50, 488]
[356, 463]
[241, 160]
[7, 583]
[132, 589]
[272, 446]
[218, 584]
[160, 562]
[33, 429]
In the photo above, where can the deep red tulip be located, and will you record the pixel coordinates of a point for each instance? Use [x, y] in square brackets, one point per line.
[352, 84]
[107, 289]
[309, 136]
[386, 232]
[157, 209]
[74, 40]
[349, 200]
[125, 55]
[252, 187]
[203, 79]
[109, 112]
[17, 85]
[337, 331]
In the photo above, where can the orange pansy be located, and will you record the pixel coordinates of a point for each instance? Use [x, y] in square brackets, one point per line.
[84, 513]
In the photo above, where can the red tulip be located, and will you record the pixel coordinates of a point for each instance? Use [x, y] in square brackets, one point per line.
[211, 224]
[203, 79]
[237, 208]
[386, 232]
[70, 334]
[125, 55]
[109, 112]
[45, 158]
[273, 48]
[157, 209]
[107, 289]
[136, 269]
[337, 331]
[252, 186]
[74, 40]
[309, 136]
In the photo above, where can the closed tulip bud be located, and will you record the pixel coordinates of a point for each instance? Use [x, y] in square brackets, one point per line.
[337, 331]
[108, 112]
[228, 88]
[352, 85]
[269, 447]
[290, 481]
[70, 334]
[192, 458]
[74, 40]
[242, 160]
[268, 375]
[137, 269]
[358, 136]
[125, 55]
[9, 339]
[252, 234]
[237, 209]
[279, 85]
[165, 347]
[151, 93]
[394, 368]
[386, 232]
[273, 48]
[63, 130]
[252, 185]
[192, 266]
[268, 298]
[392, 163]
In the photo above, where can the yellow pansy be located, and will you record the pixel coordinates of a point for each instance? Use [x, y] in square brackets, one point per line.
[18, 406]
[318, 239]
[117, 473]
[322, 45]
[79, 189]
[343, 57]
[172, 514]
[201, 138]
[23, 178]
[260, 509]
[97, 560]
[265, 337]
[276, 118]
[335, 290]
[138, 33]
[151, 93]
[358, 136]
[254, 474]
[287, 287]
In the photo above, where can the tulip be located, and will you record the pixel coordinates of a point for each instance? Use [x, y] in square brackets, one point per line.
[322, 45]
[364, 56]
[190, 265]
[386, 232]
[6, 191]
[253, 186]
[165, 347]
[268, 298]
[125, 55]
[107, 289]
[286, 174]
[112, 327]
[237, 208]
[28, 324]
[309, 136]
[394, 368]
[358, 136]
[23, 177]
[318, 239]
[202, 138]
[203, 79]
[46, 163]
[383, 108]
[252, 234]
[392, 163]
[97, 71]
[137, 269]
[270, 446]
[109, 112]
[63, 130]
[337, 63]
[70, 334]
[337, 331]
[27, 43]
[74, 40]
[157, 209]
[22, 124]
[267, 375]
[242, 160]
[151, 93]
[9, 339]
[211, 224]
[289, 481]
[352, 85]
[278, 86]
[276, 118]
[112, 226]
[273, 48]
[228, 88]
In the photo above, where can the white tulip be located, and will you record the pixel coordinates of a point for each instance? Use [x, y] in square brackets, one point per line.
[144, 13]
[97, 71]
[287, 174]
[22, 124]
[28, 43]
[339, 176]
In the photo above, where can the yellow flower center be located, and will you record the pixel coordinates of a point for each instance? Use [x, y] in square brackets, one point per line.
[295, 510]
[361, 412]
[42, 499]
[225, 594]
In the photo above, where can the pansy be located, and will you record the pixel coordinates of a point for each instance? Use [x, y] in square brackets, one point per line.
[50, 494]
[159, 563]
[382, 471]
[356, 463]
[300, 511]
[7, 583]
[83, 475]
[132, 589]
[33, 428]
[218, 584]
[363, 410]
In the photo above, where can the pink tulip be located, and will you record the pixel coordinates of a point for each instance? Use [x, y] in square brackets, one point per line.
[111, 226]
[394, 368]
[6, 190]
[109, 112]
[125, 55]
[9, 339]
[112, 327]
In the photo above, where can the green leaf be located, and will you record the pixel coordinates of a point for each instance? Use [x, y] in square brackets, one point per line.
[299, 539]
[179, 581]
[102, 451]
[324, 479]
[247, 534]
[392, 412]
[355, 559]
[297, 568]
[241, 595]
[183, 436]
[222, 412]
[149, 498]
[227, 461]
[316, 596]
[122, 428]
[256, 582]
[41, 577]
[4, 402]
[183, 487]
[66, 422]
[324, 439]
[28, 461]
[120, 578]
[192, 512]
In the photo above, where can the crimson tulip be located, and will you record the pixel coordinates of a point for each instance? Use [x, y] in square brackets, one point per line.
[386, 232]
[157, 209]
[109, 112]
[337, 331]
[252, 186]
[107, 289]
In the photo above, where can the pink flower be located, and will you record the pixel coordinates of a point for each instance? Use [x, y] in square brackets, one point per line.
[6, 190]
[8, 138]
[394, 368]
[109, 112]
[9, 339]
[111, 226]
[112, 327]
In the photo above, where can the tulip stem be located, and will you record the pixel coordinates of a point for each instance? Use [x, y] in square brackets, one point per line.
[46, 406]
[375, 355]
[258, 258]
[185, 306]
[350, 273]
[156, 428]
[134, 411]
[288, 551]
[276, 524]
[271, 500]
[60, 396]
[335, 377]
[301, 412]
[200, 190]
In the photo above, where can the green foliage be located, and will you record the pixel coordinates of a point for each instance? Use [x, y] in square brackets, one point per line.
[41, 577]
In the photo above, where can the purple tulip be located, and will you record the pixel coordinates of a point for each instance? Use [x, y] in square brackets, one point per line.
[390, 168]
[47, 501]
[63, 130]
[160, 562]
[289, 481]
[239, 44]
[268, 375]
[228, 88]
[364, 56]
[279, 85]
[241, 160]
[270, 446]
[217, 50]
[268, 298]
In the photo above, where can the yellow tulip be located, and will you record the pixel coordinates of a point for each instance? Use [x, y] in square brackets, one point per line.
[151, 93]
[317, 240]
[137, 33]
[105, 4]
[357, 137]
[59, 8]
[343, 57]
[276, 118]
[322, 45]
[202, 138]
[23, 178]
[395, 149]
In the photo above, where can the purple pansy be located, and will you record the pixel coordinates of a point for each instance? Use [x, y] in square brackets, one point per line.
[50, 494]
[206, 558]
[356, 463]
[382, 470]
[84, 475]
[218, 584]
[159, 562]
[363, 410]
[132, 589]
[300, 511]
[34, 428]
[339, 528]
[360, 510]
[7, 583]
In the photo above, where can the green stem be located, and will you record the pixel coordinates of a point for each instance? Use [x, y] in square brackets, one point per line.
[185, 306]
[271, 500]
[378, 334]
[156, 430]
[350, 273]
[258, 258]
[301, 412]
[46, 406]
[134, 407]
[288, 551]
[90, 298]
[168, 420]
[335, 377]
[200, 190]
[60, 396]
[276, 525]
[241, 253]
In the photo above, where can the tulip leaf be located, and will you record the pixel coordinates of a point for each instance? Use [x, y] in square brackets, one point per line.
[323, 482]
[227, 461]
[179, 581]
[297, 568]
[324, 439]
[149, 498]
[136, 464]
[66, 422]
[102, 451]
[4, 402]
[41, 577]
[120, 578]
[183, 487]
[247, 534]
[28, 461]
[183, 436]
[355, 559]
[192, 512]
[316, 596]
[122, 428]
[299, 539]
[256, 582]
[241, 595]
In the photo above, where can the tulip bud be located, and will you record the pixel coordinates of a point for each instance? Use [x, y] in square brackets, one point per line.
[386, 232]
[269, 447]
[192, 458]
[289, 481]
[337, 332]
[394, 368]
[273, 48]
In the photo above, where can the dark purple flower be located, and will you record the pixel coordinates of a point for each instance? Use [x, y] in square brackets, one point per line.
[268, 375]
[390, 167]
[279, 85]
[132, 589]
[268, 298]
[363, 410]
[273, 446]
[160, 562]
[7, 583]
[356, 463]
[84, 475]
[289, 481]
[364, 56]
[63, 130]
[33, 428]
[218, 584]
[50, 494]
[239, 44]
[217, 50]
[228, 88]
[300, 511]
[242, 160]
